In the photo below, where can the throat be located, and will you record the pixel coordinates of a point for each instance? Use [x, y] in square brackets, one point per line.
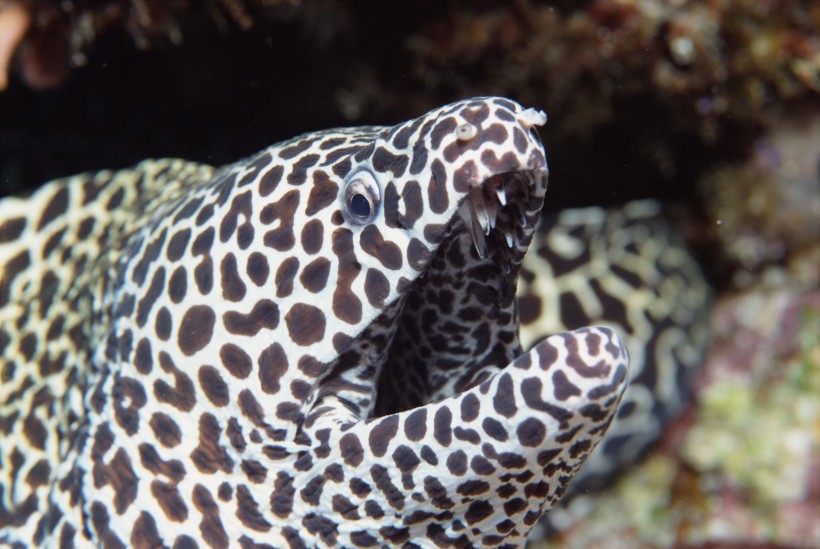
[459, 325]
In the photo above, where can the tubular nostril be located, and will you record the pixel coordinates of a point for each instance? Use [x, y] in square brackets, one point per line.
[531, 117]
[465, 132]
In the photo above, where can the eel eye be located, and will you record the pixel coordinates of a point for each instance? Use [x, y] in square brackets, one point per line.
[361, 198]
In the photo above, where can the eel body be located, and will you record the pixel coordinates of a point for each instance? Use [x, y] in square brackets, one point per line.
[315, 346]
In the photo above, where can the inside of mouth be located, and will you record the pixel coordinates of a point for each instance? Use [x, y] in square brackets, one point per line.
[497, 206]
[458, 324]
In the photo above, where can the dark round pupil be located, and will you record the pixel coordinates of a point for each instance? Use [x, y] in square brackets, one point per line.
[359, 205]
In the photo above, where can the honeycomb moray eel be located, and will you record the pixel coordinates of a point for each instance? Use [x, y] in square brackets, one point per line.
[315, 346]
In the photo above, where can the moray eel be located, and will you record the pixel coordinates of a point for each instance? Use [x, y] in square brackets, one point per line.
[315, 346]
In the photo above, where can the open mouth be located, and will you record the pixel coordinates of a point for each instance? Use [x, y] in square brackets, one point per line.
[434, 401]
[458, 325]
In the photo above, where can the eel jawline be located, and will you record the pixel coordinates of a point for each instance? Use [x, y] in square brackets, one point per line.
[529, 426]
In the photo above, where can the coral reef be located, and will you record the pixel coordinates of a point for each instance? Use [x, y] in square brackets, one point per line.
[62, 33]
[766, 211]
[742, 469]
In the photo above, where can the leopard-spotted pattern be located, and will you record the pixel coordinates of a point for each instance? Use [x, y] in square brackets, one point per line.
[315, 346]
[627, 268]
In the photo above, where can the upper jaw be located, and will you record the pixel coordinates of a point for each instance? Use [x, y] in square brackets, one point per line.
[506, 193]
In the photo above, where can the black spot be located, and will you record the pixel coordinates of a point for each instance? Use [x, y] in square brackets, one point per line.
[457, 463]
[563, 388]
[265, 314]
[529, 308]
[314, 275]
[144, 533]
[470, 407]
[443, 128]
[376, 288]
[346, 305]
[415, 426]
[240, 205]
[285, 275]
[130, 391]
[504, 399]
[206, 213]
[388, 253]
[467, 435]
[257, 268]
[254, 470]
[210, 456]
[270, 179]
[178, 285]
[177, 244]
[442, 430]
[213, 385]
[437, 493]
[281, 500]
[281, 238]
[494, 428]
[165, 429]
[233, 289]
[250, 407]
[204, 275]
[11, 229]
[413, 204]
[406, 459]
[169, 501]
[163, 325]
[419, 161]
[322, 527]
[35, 431]
[213, 532]
[196, 329]
[312, 236]
[187, 209]
[381, 476]
[478, 511]
[182, 395]
[437, 195]
[382, 434]
[235, 360]
[384, 161]
[351, 449]
[323, 193]
[143, 359]
[273, 363]
[417, 254]
[203, 242]
[99, 520]
[531, 432]
[225, 492]
[306, 324]
[57, 205]
[247, 511]
[150, 296]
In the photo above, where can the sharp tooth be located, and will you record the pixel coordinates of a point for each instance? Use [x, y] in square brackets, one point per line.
[509, 237]
[492, 216]
[480, 212]
[465, 215]
[502, 196]
[478, 240]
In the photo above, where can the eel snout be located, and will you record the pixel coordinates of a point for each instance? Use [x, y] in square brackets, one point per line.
[482, 465]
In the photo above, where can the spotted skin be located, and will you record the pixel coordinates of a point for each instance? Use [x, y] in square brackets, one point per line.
[208, 357]
[629, 269]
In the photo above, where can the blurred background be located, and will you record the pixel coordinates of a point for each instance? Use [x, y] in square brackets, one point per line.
[712, 107]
